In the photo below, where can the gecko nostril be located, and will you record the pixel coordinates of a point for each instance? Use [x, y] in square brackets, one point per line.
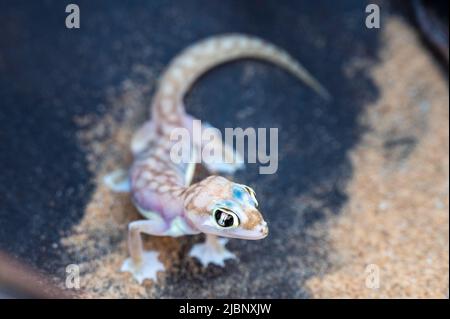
[264, 230]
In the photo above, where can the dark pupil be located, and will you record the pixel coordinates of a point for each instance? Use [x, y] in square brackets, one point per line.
[223, 219]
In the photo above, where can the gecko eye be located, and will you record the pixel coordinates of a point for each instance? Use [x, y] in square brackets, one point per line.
[252, 194]
[225, 218]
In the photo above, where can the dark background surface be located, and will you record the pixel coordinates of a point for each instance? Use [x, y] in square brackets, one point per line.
[49, 74]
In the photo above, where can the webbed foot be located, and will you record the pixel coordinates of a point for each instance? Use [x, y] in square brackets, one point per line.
[224, 167]
[212, 251]
[117, 181]
[146, 269]
[218, 156]
[226, 159]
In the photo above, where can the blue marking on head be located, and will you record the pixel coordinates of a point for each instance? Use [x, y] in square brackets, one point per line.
[228, 203]
[242, 196]
[238, 193]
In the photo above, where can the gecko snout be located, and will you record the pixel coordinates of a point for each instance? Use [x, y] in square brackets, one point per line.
[265, 229]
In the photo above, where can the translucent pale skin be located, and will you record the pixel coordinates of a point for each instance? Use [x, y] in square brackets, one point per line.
[162, 190]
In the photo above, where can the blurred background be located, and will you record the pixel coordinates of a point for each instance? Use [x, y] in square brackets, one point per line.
[357, 209]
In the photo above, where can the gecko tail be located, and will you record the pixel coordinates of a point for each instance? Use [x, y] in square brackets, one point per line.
[201, 57]
[268, 52]
[301, 73]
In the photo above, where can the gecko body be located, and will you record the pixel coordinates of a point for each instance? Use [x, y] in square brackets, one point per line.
[161, 189]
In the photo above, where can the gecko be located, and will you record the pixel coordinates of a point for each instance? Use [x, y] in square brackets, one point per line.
[162, 191]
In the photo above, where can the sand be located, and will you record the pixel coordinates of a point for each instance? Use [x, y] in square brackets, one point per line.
[396, 217]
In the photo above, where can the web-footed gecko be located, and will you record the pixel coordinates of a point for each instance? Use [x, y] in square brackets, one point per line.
[161, 189]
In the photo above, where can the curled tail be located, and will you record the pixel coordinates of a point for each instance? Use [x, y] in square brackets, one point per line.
[199, 58]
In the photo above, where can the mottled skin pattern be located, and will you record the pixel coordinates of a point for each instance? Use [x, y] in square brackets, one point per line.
[161, 189]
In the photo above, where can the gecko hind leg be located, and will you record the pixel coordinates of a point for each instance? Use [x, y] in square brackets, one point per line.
[143, 264]
[142, 137]
[221, 157]
[226, 159]
[117, 181]
[212, 251]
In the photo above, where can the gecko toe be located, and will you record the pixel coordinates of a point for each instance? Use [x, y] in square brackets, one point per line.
[117, 181]
[207, 254]
[147, 269]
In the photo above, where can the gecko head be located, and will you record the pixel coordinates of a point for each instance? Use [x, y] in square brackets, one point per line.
[219, 207]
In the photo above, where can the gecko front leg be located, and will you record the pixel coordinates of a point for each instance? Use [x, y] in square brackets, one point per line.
[143, 264]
